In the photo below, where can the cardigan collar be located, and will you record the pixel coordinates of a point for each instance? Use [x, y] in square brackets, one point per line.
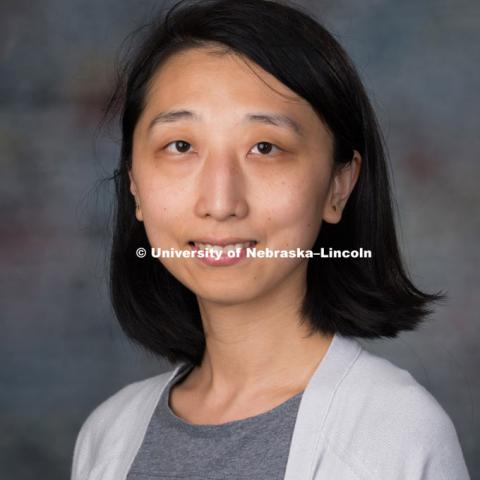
[316, 400]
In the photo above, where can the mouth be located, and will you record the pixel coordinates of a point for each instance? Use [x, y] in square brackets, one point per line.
[222, 245]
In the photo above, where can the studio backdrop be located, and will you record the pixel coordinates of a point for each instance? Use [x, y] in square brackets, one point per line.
[61, 349]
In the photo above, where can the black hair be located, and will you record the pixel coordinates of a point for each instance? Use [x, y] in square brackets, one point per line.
[354, 297]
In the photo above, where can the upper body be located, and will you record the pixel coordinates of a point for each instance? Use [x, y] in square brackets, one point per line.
[360, 418]
[245, 126]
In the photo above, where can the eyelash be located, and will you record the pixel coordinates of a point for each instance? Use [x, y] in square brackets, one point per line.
[258, 143]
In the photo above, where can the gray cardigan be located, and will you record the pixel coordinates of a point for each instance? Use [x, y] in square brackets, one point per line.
[360, 418]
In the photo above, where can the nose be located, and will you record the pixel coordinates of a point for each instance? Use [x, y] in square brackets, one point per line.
[221, 188]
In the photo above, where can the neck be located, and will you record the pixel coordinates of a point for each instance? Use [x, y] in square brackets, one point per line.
[258, 345]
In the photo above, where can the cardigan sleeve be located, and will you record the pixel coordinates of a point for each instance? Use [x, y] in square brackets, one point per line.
[443, 459]
[97, 438]
[82, 451]
[111, 429]
[94, 447]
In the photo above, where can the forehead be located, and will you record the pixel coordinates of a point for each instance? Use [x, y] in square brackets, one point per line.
[216, 75]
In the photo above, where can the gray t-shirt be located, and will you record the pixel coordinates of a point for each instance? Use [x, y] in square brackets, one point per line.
[252, 448]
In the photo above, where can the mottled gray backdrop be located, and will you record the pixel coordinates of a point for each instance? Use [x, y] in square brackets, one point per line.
[61, 352]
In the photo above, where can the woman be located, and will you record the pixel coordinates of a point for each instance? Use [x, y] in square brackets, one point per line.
[245, 126]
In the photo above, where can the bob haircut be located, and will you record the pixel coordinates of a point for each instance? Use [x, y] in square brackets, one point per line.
[355, 297]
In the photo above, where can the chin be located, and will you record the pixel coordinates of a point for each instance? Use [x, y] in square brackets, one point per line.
[227, 294]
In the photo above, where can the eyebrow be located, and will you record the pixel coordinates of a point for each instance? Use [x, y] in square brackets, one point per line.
[276, 119]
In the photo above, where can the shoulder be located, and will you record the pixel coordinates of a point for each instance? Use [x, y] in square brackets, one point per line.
[382, 416]
[125, 401]
[393, 393]
[108, 426]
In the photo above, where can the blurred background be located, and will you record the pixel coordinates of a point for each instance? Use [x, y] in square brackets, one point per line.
[61, 351]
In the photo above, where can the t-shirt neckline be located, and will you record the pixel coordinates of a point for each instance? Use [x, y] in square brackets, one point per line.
[225, 427]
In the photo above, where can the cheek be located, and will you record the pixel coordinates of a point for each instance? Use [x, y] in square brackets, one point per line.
[293, 213]
[163, 208]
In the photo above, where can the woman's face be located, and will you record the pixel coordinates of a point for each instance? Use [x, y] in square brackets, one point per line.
[247, 159]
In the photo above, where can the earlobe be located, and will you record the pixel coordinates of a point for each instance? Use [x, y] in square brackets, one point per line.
[343, 181]
[332, 212]
[133, 190]
[133, 187]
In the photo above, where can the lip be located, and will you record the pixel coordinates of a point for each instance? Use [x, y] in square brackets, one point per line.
[225, 259]
[222, 241]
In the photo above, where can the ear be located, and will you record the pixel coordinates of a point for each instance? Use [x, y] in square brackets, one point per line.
[133, 190]
[342, 183]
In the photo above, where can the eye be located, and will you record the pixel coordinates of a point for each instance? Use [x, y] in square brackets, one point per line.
[264, 148]
[180, 145]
